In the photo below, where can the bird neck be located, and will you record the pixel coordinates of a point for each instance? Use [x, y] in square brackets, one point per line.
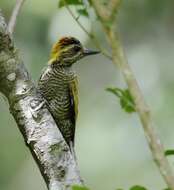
[61, 62]
[62, 68]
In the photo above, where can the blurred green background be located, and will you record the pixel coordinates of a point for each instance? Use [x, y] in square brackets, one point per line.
[110, 144]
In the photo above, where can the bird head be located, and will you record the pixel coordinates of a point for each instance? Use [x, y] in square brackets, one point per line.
[68, 50]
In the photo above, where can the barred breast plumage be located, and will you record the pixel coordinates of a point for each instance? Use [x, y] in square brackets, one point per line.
[56, 85]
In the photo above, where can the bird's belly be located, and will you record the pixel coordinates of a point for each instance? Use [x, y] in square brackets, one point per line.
[61, 106]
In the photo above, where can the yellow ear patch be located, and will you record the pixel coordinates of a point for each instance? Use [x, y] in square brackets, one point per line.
[55, 52]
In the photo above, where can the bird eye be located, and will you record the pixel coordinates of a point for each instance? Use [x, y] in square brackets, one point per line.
[77, 48]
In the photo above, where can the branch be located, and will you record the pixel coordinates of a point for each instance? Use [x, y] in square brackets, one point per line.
[113, 6]
[102, 12]
[34, 121]
[90, 35]
[14, 15]
[119, 59]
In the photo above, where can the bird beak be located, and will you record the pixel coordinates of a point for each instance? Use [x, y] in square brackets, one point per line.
[87, 52]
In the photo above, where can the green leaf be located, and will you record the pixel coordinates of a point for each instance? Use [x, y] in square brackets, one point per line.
[169, 152]
[137, 187]
[83, 12]
[115, 91]
[77, 187]
[62, 3]
[90, 2]
[126, 100]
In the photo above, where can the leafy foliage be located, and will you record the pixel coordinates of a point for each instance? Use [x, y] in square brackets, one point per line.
[62, 3]
[169, 152]
[126, 100]
[137, 187]
[80, 6]
[77, 187]
[83, 12]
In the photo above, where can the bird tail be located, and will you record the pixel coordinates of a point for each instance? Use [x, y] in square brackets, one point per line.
[71, 145]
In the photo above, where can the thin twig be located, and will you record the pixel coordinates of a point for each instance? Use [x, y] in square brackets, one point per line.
[142, 108]
[112, 7]
[90, 35]
[78, 22]
[15, 13]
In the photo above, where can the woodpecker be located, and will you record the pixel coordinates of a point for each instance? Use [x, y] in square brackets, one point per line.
[58, 84]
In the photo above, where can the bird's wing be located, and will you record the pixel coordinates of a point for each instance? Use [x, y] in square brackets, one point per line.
[73, 89]
[74, 98]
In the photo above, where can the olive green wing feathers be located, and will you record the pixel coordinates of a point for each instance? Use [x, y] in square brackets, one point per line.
[73, 89]
[74, 98]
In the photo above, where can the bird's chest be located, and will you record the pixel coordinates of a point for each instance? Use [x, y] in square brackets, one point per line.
[60, 99]
[61, 82]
